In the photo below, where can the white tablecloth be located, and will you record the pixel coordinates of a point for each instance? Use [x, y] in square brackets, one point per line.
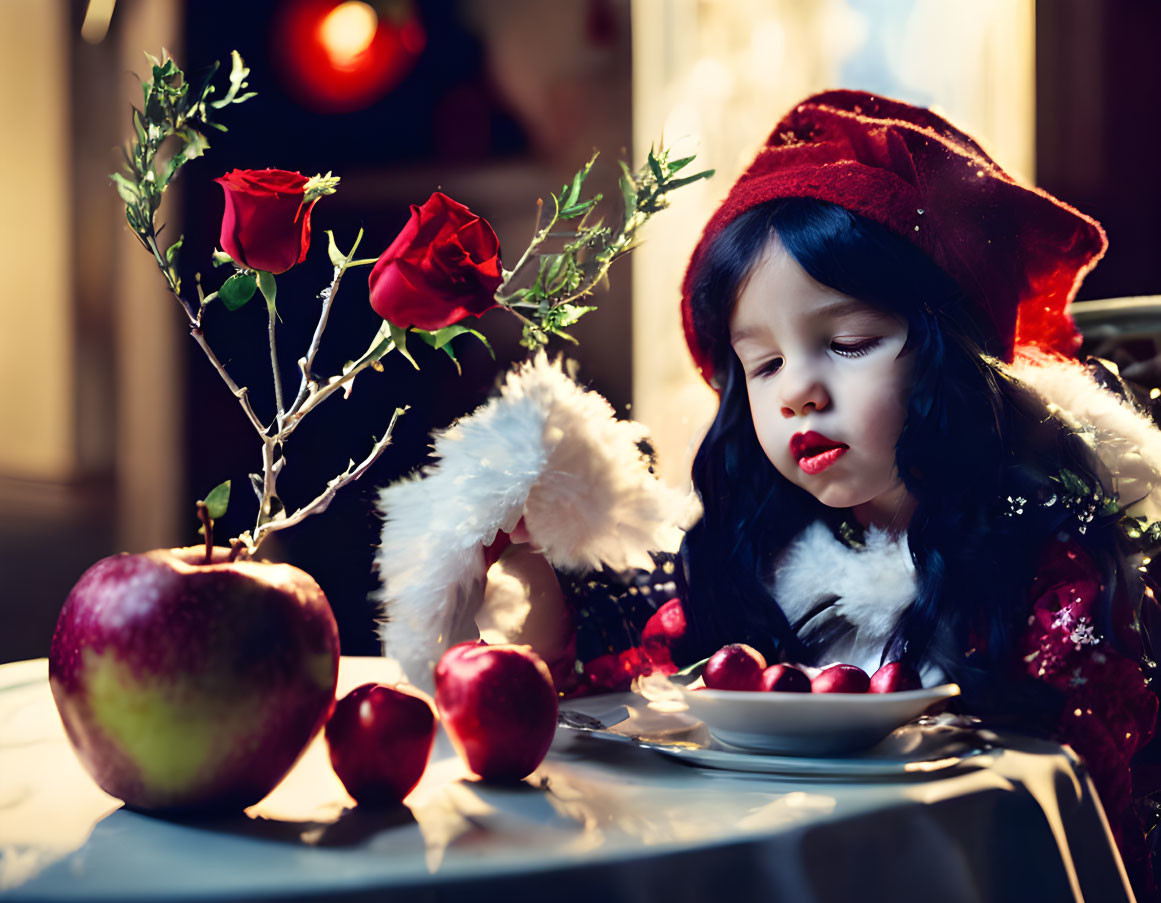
[599, 820]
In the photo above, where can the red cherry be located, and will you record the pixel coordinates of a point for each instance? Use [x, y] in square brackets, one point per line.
[785, 679]
[734, 667]
[841, 679]
[379, 739]
[895, 676]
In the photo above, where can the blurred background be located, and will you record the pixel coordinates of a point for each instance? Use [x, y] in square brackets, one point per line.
[111, 421]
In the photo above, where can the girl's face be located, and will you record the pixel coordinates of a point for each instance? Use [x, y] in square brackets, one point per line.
[828, 383]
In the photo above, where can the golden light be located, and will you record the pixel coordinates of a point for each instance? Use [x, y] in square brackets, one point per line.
[347, 31]
[98, 15]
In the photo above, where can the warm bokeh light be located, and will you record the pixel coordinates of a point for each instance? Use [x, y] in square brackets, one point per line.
[98, 15]
[347, 31]
[336, 57]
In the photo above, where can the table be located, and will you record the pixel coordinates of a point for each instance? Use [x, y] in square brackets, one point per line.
[597, 821]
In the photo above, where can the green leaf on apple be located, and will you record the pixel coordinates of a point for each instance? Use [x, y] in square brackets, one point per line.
[218, 500]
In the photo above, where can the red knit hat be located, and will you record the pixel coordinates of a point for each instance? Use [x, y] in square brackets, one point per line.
[1018, 253]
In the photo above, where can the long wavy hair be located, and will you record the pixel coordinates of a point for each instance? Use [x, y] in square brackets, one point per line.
[974, 443]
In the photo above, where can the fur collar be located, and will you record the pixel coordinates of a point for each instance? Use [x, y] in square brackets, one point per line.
[848, 598]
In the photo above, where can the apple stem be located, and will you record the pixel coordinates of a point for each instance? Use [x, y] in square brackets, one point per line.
[208, 529]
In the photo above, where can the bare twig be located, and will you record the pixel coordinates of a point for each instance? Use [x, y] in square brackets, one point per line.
[323, 500]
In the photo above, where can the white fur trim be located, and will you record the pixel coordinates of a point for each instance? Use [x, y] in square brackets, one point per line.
[1124, 438]
[873, 584]
[546, 450]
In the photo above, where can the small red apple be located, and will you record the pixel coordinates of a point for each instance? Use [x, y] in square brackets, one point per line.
[185, 684]
[379, 739]
[785, 679]
[895, 676]
[499, 707]
[841, 679]
[735, 666]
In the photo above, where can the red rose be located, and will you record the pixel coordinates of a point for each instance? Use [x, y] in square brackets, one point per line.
[265, 226]
[443, 266]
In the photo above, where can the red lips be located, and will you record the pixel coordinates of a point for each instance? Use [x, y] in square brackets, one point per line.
[814, 452]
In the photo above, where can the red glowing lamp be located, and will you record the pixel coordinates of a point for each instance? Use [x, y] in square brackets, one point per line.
[337, 57]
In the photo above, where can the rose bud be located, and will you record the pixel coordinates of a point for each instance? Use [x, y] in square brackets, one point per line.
[841, 679]
[443, 266]
[265, 225]
[785, 679]
[734, 667]
[499, 707]
[895, 676]
[379, 739]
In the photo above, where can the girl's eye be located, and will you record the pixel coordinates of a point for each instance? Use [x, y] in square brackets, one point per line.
[856, 348]
[769, 368]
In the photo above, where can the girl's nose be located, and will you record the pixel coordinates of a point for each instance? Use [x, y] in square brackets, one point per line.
[802, 395]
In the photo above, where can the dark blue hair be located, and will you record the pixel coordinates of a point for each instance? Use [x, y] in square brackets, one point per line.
[972, 438]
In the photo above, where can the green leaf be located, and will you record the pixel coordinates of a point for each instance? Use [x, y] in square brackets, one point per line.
[338, 258]
[269, 289]
[567, 200]
[673, 167]
[380, 347]
[194, 144]
[441, 337]
[172, 252]
[127, 189]
[238, 74]
[550, 265]
[655, 166]
[218, 500]
[399, 337]
[237, 290]
[139, 126]
[221, 258]
[574, 210]
[688, 180]
[566, 315]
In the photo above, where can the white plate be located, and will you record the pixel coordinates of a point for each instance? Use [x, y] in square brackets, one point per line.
[830, 769]
[808, 724]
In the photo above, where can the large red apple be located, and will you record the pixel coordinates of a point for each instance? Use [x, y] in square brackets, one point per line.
[189, 685]
[735, 666]
[379, 739]
[499, 707]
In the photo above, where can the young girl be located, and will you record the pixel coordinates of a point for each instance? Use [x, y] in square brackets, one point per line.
[892, 474]
[879, 484]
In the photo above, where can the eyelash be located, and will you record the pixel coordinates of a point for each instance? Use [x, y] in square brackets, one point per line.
[857, 349]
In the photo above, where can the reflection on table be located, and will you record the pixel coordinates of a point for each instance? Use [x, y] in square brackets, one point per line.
[600, 819]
